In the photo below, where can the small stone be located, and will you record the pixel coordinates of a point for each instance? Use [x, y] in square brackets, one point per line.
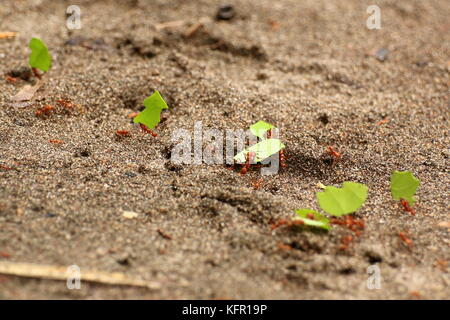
[381, 54]
[123, 261]
[130, 174]
[262, 76]
[130, 214]
[324, 118]
[225, 12]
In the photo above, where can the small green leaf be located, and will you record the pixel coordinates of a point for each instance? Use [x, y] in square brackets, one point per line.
[260, 128]
[150, 116]
[39, 56]
[319, 220]
[262, 150]
[404, 186]
[345, 200]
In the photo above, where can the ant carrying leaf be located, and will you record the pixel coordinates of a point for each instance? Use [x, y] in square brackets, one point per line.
[261, 150]
[336, 202]
[151, 115]
[403, 188]
[342, 201]
[312, 218]
[39, 58]
[260, 129]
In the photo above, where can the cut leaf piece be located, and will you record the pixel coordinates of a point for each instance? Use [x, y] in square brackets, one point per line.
[39, 56]
[345, 200]
[262, 150]
[260, 128]
[404, 186]
[150, 116]
[319, 220]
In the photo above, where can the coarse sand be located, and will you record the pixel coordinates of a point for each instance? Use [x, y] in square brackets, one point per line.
[203, 231]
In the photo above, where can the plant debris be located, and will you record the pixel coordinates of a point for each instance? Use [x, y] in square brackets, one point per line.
[31, 270]
[7, 35]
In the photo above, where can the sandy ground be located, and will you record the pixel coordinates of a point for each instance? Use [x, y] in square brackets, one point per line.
[305, 66]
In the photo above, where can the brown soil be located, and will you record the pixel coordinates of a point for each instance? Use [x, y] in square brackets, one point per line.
[305, 66]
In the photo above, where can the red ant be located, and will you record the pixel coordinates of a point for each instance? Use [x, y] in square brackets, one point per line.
[122, 133]
[68, 105]
[407, 207]
[133, 115]
[36, 73]
[352, 224]
[282, 159]
[5, 254]
[286, 222]
[257, 184]
[44, 111]
[164, 235]
[5, 167]
[332, 152]
[283, 246]
[147, 130]
[56, 141]
[11, 79]
[346, 242]
[248, 160]
[405, 238]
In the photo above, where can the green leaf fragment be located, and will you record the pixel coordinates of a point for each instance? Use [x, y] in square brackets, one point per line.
[404, 186]
[342, 201]
[319, 220]
[150, 116]
[260, 128]
[40, 58]
[262, 150]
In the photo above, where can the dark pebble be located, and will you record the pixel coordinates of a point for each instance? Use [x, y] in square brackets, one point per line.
[225, 12]
[123, 261]
[382, 54]
[261, 76]
[82, 153]
[130, 174]
[324, 118]
[75, 41]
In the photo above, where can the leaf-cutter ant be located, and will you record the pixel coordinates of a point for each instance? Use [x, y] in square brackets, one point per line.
[248, 160]
[55, 141]
[5, 167]
[44, 111]
[407, 207]
[282, 159]
[287, 223]
[164, 235]
[332, 152]
[123, 133]
[257, 184]
[147, 130]
[11, 79]
[351, 223]
[345, 242]
[36, 73]
[405, 238]
[65, 103]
